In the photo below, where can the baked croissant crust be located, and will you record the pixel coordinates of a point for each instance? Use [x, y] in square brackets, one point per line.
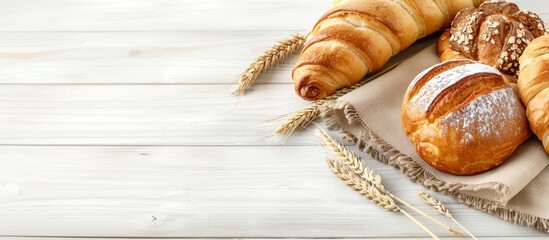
[357, 37]
[496, 33]
[533, 86]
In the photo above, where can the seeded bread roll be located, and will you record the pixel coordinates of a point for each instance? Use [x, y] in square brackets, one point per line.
[496, 33]
[463, 118]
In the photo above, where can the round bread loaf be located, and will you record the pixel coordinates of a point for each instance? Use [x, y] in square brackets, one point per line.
[496, 33]
[463, 118]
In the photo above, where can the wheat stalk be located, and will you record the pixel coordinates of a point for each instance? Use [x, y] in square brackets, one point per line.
[300, 118]
[351, 159]
[362, 178]
[303, 116]
[362, 186]
[269, 58]
[355, 163]
[441, 208]
[368, 189]
[435, 203]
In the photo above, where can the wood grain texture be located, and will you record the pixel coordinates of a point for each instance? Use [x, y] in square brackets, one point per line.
[367, 238]
[170, 15]
[137, 57]
[201, 192]
[149, 81]
[144, 115]
[159, 15]
[183, 57]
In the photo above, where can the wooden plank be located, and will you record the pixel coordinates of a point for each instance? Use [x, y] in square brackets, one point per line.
[192, 191]
[159, 15]
[144, 115]
[136, 57]
[183, 238]
[202, 192]
[171, 15]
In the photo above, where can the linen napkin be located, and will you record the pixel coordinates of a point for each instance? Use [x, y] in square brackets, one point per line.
[517, 190]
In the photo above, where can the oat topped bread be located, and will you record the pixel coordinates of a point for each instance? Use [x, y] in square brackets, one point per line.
[496, 33]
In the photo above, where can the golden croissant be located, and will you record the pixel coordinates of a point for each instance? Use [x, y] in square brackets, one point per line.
[358, 37]
[533, 86]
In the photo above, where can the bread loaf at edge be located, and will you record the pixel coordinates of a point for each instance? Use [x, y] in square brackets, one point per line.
[533, 86]
[463, 118]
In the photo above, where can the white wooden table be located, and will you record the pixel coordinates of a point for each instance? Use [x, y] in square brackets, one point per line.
[116, 120]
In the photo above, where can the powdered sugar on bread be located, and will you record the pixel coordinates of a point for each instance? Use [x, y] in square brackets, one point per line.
[429, 92]
[485, 116]
[477, 123]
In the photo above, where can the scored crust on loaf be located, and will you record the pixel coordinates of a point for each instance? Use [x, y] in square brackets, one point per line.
[423, 100]
[463, 118]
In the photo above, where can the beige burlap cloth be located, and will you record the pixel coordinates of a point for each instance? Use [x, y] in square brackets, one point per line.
[517, 191]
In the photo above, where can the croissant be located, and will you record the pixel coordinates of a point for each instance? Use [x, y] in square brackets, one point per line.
[357, 37]
[533, 86]
[496, 33]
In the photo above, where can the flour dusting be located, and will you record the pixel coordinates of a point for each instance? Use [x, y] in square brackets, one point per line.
[428, 93]
[421, 75]
[481, 116]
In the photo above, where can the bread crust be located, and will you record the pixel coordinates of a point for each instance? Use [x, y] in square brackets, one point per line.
[533, 86]
[365, 35]
[495, 33]
[463, 118]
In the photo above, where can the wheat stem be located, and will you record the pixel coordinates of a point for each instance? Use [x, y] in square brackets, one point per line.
[450, 229]
[463, 228]
[353, 162]
[360, 177]
[441, 208]
[300, 118]
[344, 154]
[268, 59]
[350, 158]
[362, 186]
[303, 116]
[419, 224]
[370, 191]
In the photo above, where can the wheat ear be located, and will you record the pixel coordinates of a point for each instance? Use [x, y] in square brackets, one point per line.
[303, 116]
[350, 159]
[362, 186]
[367, 189]
[300, 118]
[268, 59]
[441, 208]
[361, 178]
[353, 162]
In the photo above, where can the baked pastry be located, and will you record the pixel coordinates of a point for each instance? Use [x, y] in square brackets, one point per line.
[533, 86]
[357, 37]
[463, 118]
[495, 33]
